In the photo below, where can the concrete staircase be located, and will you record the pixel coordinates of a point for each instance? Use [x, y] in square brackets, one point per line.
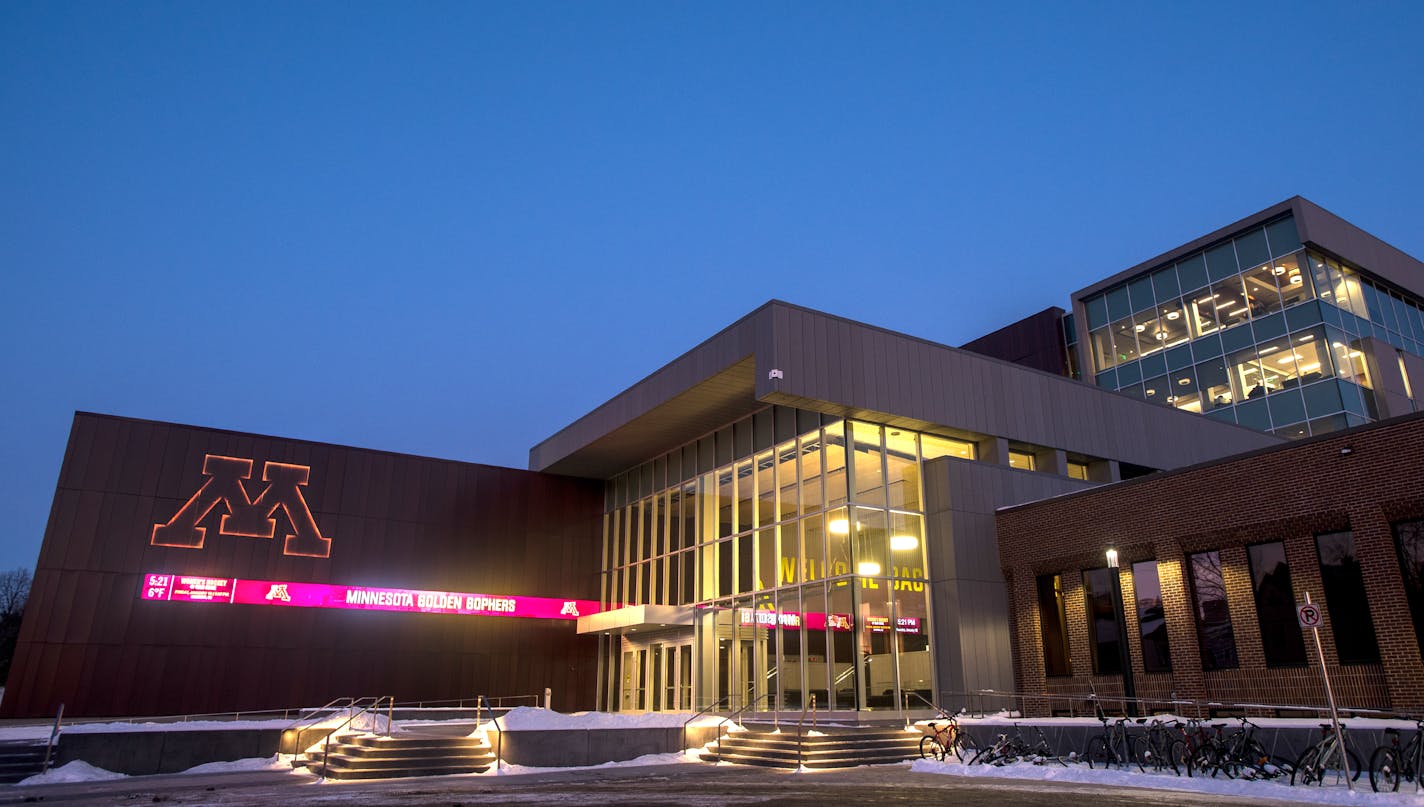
[20, 760]
[828, 747]
[406, 754]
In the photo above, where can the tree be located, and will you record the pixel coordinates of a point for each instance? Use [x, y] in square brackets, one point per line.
[14, 593]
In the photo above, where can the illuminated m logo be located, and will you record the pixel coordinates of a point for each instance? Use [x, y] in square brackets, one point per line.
[247, 517]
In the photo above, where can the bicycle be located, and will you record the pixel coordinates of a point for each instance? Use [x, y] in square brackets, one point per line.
[1242, 756]
[1390, 763]
[1008, 750]
[1325, 759]
[941, 742]
[1159, 749]
[1113, 747]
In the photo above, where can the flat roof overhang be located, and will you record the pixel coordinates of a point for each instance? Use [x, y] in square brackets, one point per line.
[799, 358]
[634, 617]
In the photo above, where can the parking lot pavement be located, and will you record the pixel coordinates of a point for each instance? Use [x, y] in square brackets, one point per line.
[690, 785]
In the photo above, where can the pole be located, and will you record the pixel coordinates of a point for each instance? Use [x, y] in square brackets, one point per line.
[895, 656]
[1129, 689]
[1330, 698]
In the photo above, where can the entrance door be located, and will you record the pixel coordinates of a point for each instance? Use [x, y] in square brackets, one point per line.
[656, 693]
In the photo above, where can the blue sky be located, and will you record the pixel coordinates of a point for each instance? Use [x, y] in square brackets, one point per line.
[450, 229]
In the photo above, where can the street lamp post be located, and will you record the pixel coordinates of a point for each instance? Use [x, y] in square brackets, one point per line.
[1129, 690]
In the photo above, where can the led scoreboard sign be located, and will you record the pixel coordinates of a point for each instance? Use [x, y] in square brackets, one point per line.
[190, 588]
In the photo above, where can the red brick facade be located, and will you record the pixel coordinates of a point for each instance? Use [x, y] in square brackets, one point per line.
[1362, 480]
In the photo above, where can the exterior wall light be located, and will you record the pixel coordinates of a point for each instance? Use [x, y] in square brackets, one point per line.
[1112, 558]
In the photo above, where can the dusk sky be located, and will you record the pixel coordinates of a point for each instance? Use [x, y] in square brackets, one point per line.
[451, 229]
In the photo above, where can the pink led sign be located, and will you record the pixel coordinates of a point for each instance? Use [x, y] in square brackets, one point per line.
[188, 588]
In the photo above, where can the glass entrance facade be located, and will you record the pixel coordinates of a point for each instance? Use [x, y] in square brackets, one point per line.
[803, 560]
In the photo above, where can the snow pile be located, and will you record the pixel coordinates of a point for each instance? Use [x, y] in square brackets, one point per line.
[530, 718]
[272, 763]
[1242, 789]
[76, 771]
[673, 758]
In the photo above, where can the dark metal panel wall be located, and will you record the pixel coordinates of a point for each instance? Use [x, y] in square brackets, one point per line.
[845, 368]
[393, 520]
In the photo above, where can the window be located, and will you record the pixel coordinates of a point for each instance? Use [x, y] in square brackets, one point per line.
[1053, 619]
[1151, 617]
[1409, 540]
[1021, 460]
[1215, 636]
[1078, 470]
[932, 446]
[1275, 605]
[1345, 598]
[1103, 637]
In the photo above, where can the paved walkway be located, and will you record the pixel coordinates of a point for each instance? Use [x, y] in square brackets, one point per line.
[690, 785]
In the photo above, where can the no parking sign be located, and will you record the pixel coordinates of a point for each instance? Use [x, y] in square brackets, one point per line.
[1308, 614]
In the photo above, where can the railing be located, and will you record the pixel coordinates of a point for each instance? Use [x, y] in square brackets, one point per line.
[704, 711]
[733, 716]
[800, 734]
[373, 708]
[499, 702]
[53, 738]
[979, 702]
[905, 700]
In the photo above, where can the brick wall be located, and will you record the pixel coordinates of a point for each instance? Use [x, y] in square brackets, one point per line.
[1287, 494]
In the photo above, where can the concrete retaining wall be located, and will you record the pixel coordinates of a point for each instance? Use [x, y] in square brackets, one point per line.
[141, 753]
[572, 747]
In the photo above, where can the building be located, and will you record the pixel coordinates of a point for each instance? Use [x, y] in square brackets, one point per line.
[1213, 560]
[1291, 320]
[799, 509]
[155, 593]
[801, 506]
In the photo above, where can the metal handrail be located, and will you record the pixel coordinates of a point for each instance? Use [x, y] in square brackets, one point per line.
[374, 705]
[53, 737]
[754, 702]
[307, 714]
[719, 702]
[800, 735]
[459, 703]
[1201, 706]
[907, 694]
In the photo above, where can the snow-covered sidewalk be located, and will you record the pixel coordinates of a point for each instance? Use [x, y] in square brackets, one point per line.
[1244, 789]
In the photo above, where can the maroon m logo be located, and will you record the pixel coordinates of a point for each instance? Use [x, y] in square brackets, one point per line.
[245, 517]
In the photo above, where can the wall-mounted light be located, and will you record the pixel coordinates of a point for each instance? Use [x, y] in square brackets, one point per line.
[867, 568]
[1112, 558]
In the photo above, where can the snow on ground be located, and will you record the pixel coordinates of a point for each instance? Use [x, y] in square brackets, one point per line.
[272, 763]
[76, 771]
[530, 718]
[1223, 787]
[674, 758]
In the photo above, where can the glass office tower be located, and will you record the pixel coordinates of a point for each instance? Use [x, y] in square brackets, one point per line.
[1258, 329]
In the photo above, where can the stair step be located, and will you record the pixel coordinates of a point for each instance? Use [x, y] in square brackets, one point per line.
[412, 751]
[398, 742]
[379, 773]
[842, 748]
[397, 763]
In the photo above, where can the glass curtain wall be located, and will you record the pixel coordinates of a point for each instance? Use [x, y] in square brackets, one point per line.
[804, 562]
[1257, 331]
